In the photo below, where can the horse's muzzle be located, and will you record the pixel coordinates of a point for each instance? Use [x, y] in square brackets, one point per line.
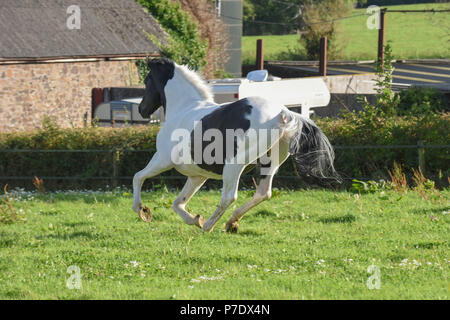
[142, 110]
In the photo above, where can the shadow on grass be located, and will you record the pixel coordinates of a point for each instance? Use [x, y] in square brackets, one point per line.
[264, 213]
[77, 224]
[430, 210]
[6, 243]
[249, 233]
[50, 212]
[72, 236]
[348, 218]
[428, 245]
[16, 294]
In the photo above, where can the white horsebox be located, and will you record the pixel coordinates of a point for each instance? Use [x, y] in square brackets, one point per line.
[302, 93]
[306, 93]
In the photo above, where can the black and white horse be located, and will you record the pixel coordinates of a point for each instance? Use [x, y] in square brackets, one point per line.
[202, 139]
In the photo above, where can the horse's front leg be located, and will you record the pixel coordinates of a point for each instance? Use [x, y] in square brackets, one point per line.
[193, 184]
[157, 165]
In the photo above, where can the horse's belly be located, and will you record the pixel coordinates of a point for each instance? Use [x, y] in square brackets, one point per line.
[191, 170]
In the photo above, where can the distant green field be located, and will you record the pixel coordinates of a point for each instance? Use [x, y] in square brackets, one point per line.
[305, 244]
[413, 35]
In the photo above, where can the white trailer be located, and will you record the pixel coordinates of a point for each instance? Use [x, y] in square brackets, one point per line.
[306, 93]
[303, 93]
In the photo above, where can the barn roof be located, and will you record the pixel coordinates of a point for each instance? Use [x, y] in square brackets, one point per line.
[38, 29]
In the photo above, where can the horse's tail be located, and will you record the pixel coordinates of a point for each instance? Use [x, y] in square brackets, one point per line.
[312, 153]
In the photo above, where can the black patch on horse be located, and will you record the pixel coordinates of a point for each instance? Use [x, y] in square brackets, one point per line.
[231, 116]
[161, 71]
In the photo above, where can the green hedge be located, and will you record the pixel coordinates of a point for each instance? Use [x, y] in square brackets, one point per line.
[432, 129]
[83, 167]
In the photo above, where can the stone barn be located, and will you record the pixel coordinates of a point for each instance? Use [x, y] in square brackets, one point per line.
[54, 52]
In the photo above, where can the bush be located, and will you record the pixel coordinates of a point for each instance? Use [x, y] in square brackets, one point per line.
[421, 101]
[374, 163]
[9, 213]
[84, 168]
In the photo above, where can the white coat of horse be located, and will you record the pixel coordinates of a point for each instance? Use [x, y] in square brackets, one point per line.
[202, 139]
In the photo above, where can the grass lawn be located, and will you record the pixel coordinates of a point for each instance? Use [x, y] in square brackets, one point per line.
[413, 35]
[299, 245]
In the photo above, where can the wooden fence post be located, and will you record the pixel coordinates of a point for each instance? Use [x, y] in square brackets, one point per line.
[381, 37]
[259, 54]
[115, 165]
[421, 152]
[323, 57]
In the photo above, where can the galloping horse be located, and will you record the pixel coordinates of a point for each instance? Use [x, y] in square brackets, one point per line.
[198, 131]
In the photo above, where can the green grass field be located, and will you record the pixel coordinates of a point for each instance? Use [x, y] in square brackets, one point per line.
[413, 35]
[299, 245]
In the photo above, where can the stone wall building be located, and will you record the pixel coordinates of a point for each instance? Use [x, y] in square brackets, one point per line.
[52, 55]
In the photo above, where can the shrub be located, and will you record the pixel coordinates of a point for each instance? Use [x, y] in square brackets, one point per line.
[421, 101]
[355, 129]
[85, 168]
[9, 213]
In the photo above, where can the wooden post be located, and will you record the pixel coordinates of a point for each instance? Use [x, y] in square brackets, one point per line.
[115, 165]
[259, 54]
[381, 37]
[421, 152]
[323, 57]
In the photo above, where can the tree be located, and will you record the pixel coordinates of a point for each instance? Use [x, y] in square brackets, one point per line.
[213, 31]
[185, 45]
[319, 20]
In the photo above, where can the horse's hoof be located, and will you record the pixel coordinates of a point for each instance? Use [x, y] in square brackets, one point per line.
[145, 214]
[199, 221]
[232, 227]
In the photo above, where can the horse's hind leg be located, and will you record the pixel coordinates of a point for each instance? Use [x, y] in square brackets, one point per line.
[190, 188]
[263, 192]
[264, 189]
[231, 175]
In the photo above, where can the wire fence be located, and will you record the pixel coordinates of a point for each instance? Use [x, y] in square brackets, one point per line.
[118, 155]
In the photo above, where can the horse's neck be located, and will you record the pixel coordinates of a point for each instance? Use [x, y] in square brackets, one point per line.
[182, 93]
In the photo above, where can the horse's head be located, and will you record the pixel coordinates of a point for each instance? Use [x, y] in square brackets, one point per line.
[161, 71]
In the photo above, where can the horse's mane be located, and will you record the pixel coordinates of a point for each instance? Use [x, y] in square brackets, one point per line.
[196, 81]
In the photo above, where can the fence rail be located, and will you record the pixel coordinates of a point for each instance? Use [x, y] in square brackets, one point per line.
[115, 158]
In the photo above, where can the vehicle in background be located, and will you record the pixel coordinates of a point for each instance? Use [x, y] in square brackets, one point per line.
[303, 94]
[300, 94]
